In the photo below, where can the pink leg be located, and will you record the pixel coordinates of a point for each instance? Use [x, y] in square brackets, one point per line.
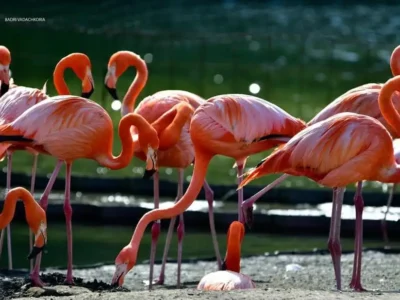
[155, 229]
[43, 203]
[181, 233]
[8, 187]
[240, 166]
[210, 199]
[359, 206]
[383, 221]
[170, 229]
[68, 217]
[334, 234]
[33, 177]
[247, 206]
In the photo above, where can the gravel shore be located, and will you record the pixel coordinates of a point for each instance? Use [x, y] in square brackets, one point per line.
[280, 277]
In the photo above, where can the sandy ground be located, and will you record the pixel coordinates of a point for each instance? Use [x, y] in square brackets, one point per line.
[280, 277]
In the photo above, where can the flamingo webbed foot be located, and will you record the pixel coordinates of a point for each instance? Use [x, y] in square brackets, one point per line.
[357, 287]
[36, 281]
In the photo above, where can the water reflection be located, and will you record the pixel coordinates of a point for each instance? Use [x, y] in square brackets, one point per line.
[201, 205]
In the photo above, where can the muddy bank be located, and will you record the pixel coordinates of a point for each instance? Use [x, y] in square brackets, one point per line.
[276, 277]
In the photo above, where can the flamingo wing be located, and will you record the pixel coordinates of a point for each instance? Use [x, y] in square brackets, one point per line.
[65, 126]
[225, 281]
[17, 100]
[246, 118]
[342, 149]
[361, 101]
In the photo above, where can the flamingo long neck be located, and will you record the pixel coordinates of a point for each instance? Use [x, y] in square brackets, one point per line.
[10, 203]
[386, 106]
[137, 85]
[58, 78]
[169, 126]
[199, 174]
[125, 157]
[395, 61]
[233, 252]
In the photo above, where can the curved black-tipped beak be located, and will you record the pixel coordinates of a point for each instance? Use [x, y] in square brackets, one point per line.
[88, 94]
[113, 92]
[149, 173]
[4, 88]
[116, 283]
[35, 251]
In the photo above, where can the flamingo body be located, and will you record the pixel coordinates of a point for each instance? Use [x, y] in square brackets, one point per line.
[181, 155]
[333, 152]
[361, 101]
[67, 127]
[238, 125]
[225, 281]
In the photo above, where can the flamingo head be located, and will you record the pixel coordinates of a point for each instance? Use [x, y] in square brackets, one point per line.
[36, 219]
[5, 60]
[124, 262]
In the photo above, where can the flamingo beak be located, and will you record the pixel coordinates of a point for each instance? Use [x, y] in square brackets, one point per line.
[110, 83]
[5, 76]
[87, 85]
[119, 275]
[40, 241]
[151, 163]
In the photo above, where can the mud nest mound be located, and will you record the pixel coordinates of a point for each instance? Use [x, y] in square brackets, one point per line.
[14, 286]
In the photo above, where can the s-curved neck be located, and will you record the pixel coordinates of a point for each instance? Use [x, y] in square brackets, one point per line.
[386, 106]
[125, 157]
[199, 174]
[169, 125]
[58, 78]
[395, 61]
[10, 203]
[137, 85]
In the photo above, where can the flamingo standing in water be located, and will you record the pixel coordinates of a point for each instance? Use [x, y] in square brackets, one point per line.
[34, 214]
[175, 151]
[230, 277]
[343, 149]
[361, 100]
[232, 125]
[20, 98]
[70, 128]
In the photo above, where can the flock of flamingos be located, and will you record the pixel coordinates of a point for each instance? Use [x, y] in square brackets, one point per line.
[349, 141]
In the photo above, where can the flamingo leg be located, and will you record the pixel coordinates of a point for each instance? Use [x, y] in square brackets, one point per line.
[68, 217]
[247, 206]
[210, 199]
[33, 178]
[180, 229]
[383, 221]
[240, 167]
[359, 206]
[161, 278]
[155, 229]
[334, 245]
[8, 187]
[35, 278]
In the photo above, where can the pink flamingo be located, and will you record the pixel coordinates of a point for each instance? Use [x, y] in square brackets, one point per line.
[20, 98]
[175, 151]
[230, 277]
[232, 125]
